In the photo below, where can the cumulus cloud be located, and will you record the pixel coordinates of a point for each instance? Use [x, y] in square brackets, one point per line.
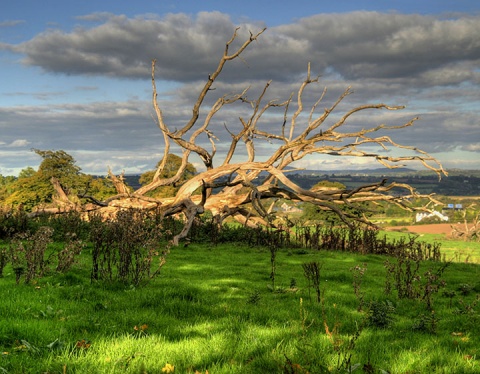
[19, 143]
[184, 48]
[78, 126]
[376, 45]
[357, 45]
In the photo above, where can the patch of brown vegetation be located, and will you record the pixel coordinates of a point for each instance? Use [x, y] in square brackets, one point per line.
[434, 228]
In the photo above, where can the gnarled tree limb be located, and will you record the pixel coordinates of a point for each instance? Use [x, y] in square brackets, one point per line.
[237, 189]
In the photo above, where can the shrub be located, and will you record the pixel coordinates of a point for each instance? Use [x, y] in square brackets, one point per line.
[126, 247]
[379, 314]
[27, 253]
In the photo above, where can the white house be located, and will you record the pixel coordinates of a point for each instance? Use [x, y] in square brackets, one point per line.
[423, 215]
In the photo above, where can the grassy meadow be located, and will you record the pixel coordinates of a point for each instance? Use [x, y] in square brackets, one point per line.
[452, 250]
[216, 309]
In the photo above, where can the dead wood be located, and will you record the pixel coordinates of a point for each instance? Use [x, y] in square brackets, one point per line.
[239, 189]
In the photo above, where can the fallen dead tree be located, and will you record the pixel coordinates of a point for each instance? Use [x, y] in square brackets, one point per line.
[239, 189]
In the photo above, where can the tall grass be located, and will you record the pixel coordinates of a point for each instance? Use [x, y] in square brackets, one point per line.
[213, 308]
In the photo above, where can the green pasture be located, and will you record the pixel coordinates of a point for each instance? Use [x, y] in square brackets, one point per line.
[452, 250]
[213, 308]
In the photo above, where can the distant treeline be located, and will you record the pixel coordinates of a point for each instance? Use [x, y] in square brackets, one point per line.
[456, 184]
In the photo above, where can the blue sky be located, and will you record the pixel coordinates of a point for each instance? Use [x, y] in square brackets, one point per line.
[75, 74]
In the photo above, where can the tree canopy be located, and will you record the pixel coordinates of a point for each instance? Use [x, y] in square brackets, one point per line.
[34, 189]
[172, 165]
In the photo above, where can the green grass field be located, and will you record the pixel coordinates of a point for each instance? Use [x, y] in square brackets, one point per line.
[213, 309]
[452, 250]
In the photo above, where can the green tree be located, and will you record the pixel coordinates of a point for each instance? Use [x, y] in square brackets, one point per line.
[27, 172]
[327, 183]
[313, 212]
[28, 192]
[61, 165]
[99, 188]
[33, 188]
[171, 167]
[6, 183]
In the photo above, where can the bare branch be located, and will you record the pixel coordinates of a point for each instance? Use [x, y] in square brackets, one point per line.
[238, 189]
[212, 77]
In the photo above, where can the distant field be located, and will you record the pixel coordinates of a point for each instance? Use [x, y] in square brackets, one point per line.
[436, 228]
[453, 250]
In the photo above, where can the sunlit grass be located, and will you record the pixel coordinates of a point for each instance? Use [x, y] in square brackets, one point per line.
[452, 250]
[213, 309]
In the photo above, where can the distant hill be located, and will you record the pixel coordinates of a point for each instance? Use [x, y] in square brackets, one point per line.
[459, 181]
[378, 171]
[390, 172]
[132, 181]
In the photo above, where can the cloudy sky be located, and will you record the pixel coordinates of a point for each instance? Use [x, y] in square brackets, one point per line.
[75, 75]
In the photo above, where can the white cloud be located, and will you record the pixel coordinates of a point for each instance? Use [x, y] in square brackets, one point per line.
[475, 147]
[357, 45]
[11, 23]
[19, 143]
